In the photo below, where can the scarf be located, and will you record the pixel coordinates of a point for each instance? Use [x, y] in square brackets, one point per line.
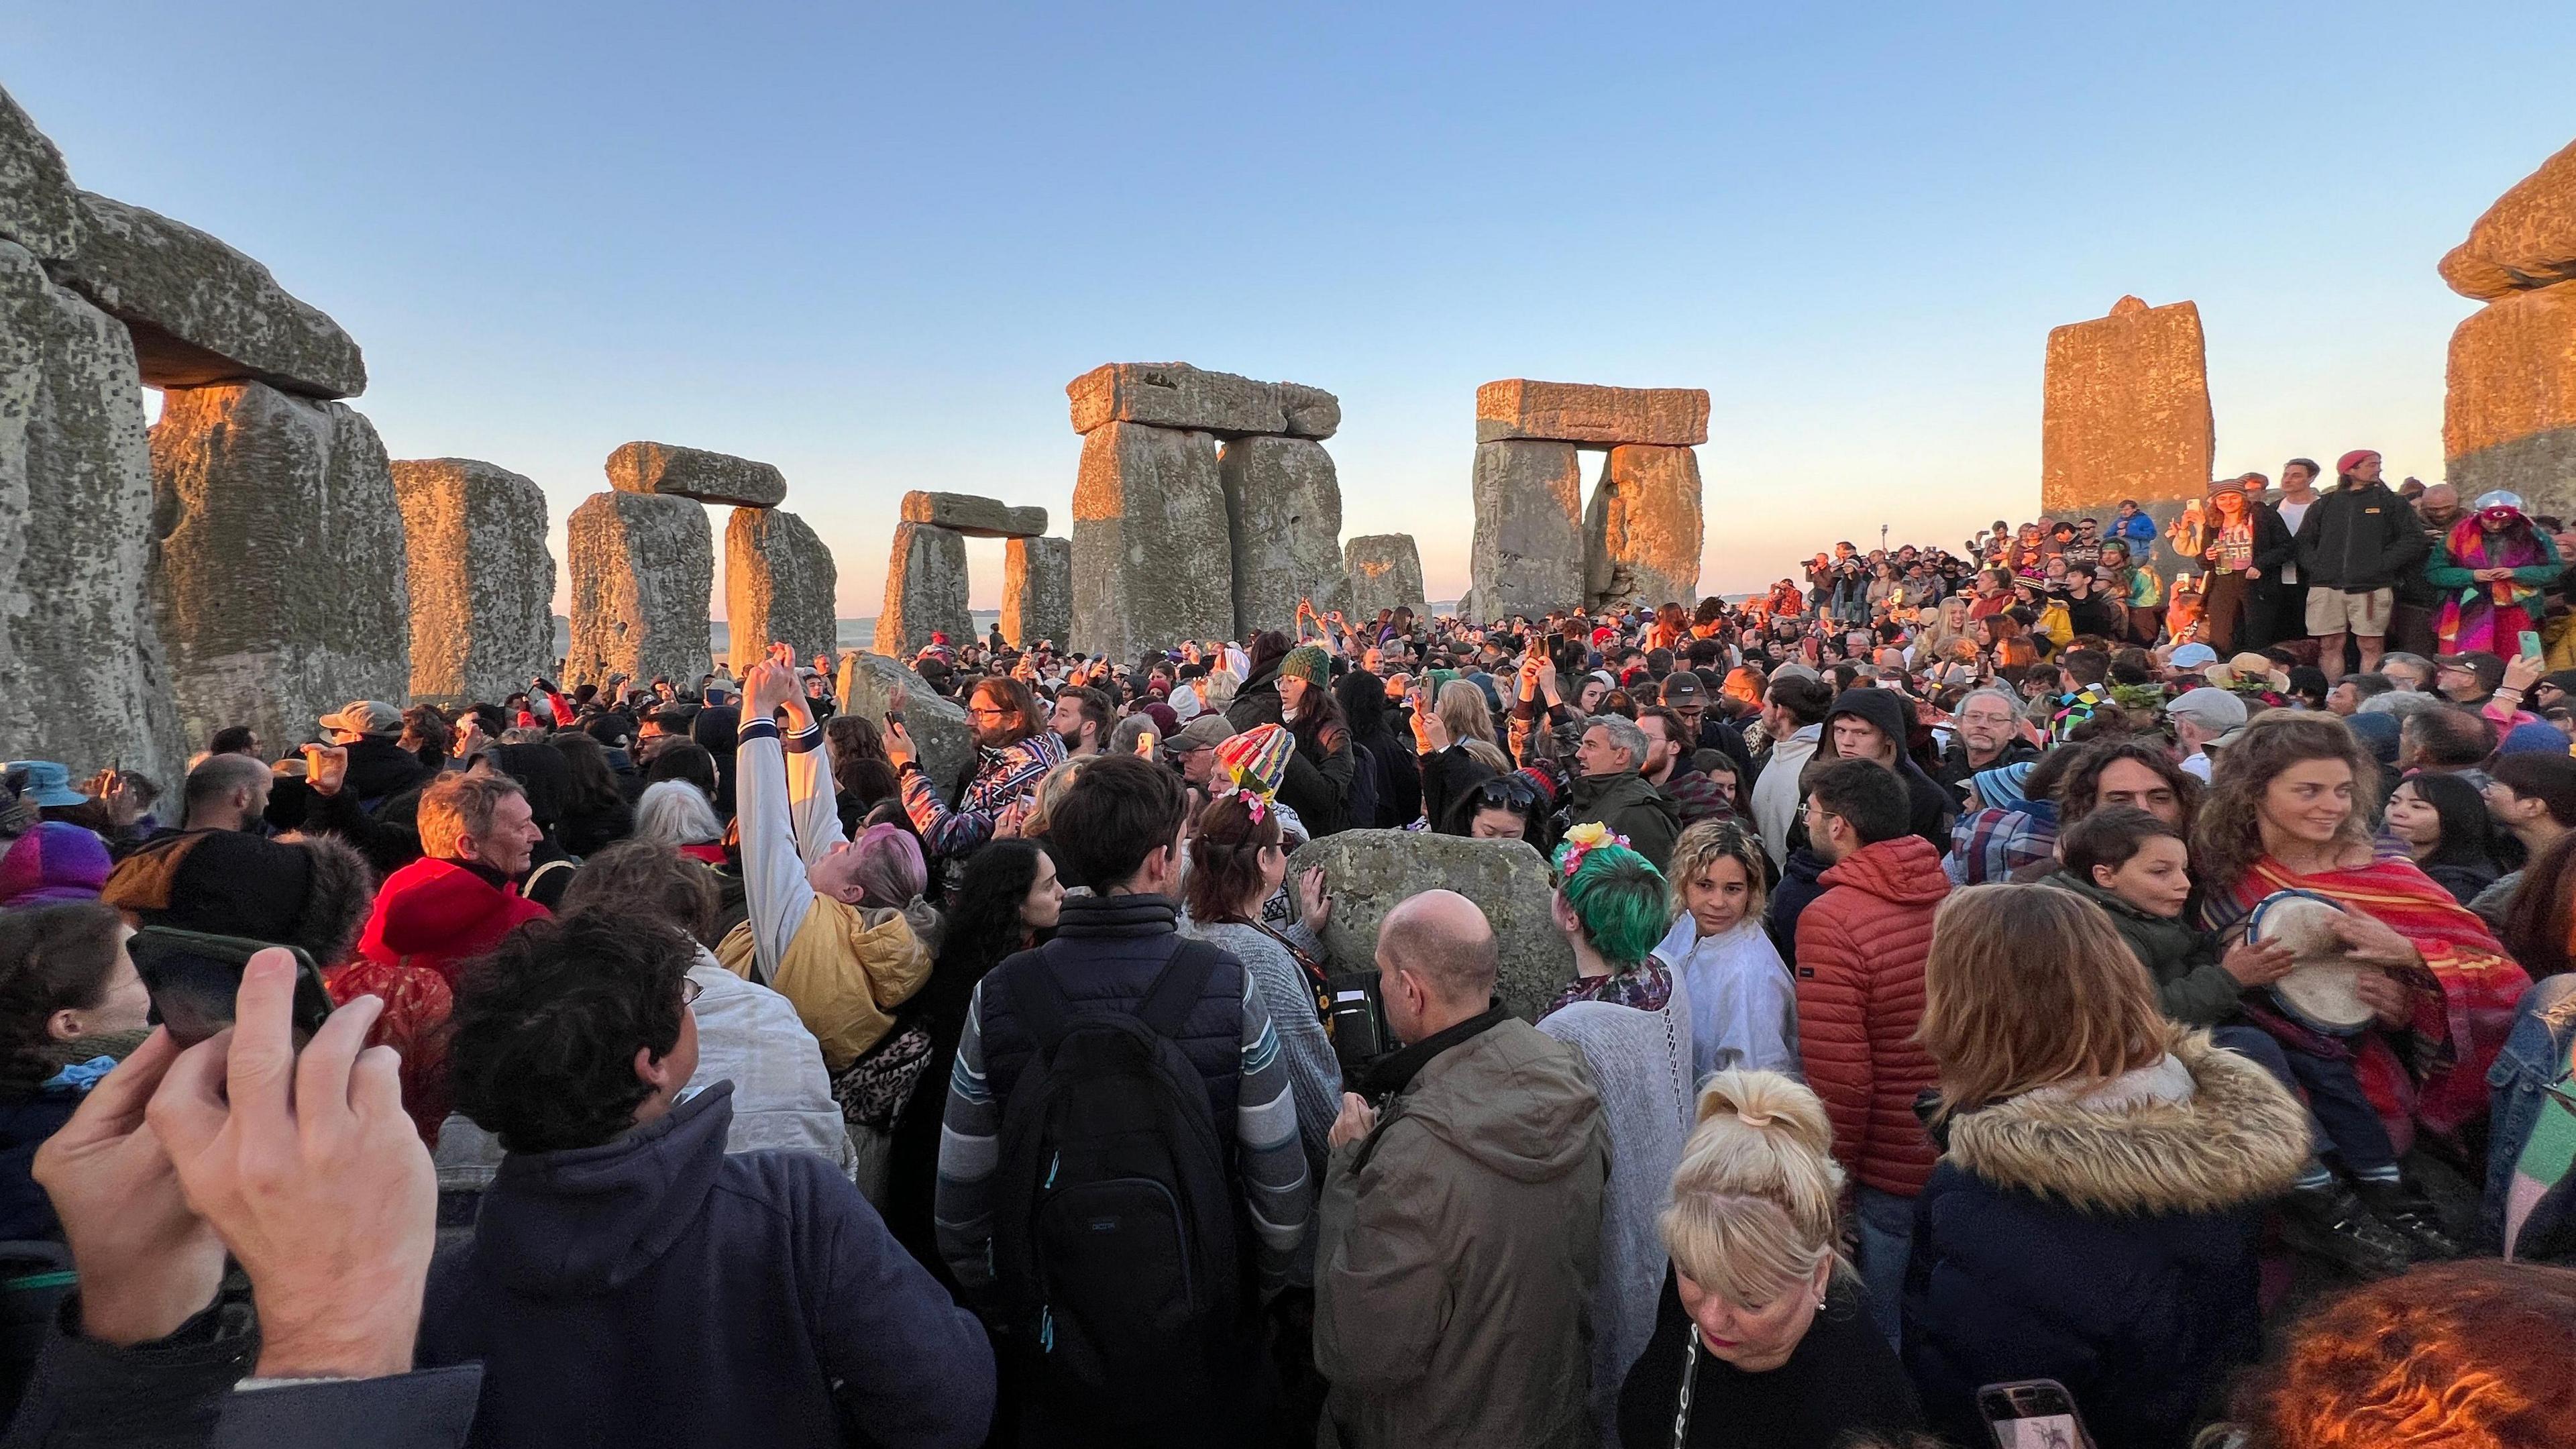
[2492, 616]
[2462, 1003]
[1647, 986]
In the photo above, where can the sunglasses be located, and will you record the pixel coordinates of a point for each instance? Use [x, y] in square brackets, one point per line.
[1509, 792]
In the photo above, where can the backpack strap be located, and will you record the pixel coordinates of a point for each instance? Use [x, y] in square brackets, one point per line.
[1183, 981]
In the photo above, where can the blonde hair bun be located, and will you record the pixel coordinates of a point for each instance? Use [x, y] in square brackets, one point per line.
[1770, 1103]
[1753, 1205]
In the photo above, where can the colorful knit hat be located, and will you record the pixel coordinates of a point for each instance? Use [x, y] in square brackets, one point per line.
[1257, 759]
[2003, 786]
[56, 861]
[1308, 662]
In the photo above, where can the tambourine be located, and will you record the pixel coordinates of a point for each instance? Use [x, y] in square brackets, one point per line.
[2319, 992]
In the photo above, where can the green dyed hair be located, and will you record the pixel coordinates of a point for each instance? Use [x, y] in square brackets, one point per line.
[1620, 900]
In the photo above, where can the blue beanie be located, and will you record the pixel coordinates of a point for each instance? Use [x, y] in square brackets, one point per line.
[2002, 786]
[2534, 738]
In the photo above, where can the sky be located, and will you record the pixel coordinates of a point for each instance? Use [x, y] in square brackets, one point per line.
[871, 243]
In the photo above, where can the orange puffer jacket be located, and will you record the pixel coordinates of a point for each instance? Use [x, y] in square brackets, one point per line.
[1861, 948]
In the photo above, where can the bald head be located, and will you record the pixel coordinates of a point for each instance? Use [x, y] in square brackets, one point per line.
[225, 792]
[2441, 496]
[1443, 940]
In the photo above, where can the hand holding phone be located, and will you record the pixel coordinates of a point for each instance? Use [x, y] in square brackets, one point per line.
[2034, 1414]
[194, 979]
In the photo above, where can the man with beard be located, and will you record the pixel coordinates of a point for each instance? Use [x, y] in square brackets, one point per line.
[1013, 751]
[1081, 722]
[2417, 600]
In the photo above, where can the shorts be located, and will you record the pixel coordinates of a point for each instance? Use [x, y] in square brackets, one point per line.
[2332, 611]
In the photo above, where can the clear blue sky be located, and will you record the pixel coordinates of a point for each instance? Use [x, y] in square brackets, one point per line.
[871, 243]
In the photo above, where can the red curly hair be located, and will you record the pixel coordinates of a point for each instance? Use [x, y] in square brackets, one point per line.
[2469, 1355]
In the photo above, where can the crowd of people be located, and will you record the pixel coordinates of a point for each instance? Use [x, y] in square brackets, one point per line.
[2023, 979]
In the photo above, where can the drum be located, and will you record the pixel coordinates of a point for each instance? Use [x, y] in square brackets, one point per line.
[2319, 992]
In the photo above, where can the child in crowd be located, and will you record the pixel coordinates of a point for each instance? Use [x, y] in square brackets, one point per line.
[2137, 869]
[1743, 1005]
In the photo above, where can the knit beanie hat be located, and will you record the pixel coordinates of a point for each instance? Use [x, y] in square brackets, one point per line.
[2533, 737]
[56, 861]
[1257, 759]
[2001, 786]
[1308, 662]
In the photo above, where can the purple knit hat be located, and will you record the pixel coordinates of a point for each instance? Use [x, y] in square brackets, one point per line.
[56, 861]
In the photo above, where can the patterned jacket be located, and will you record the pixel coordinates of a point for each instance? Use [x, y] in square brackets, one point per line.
[1002, 779]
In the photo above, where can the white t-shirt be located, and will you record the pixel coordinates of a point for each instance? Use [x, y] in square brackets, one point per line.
[2291, 515]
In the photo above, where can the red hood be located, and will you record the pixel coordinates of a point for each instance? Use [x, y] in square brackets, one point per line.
[1906, 870]
[437, 912]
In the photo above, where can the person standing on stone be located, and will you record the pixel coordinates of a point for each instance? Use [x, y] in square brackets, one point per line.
[2247, 545]
[1458, 1242]
[2411, 628]
[1081, 720]
[1014, 749]
[2288, 616]
[2354, 546]
[1859, 952]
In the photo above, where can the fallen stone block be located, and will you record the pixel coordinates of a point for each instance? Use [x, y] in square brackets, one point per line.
[201, 312]
[972, 516]
[1151, 562]
[2126, 411]
[674, 471]
[1177, 395]
[2509, 413]
[1643, 528]
[2526, 241]
[281, 580]
[780, 582]
[643, 570]
[1369, 872]
[1385, 571]
[1527, 556]
[88, 683]
[939, 727]
[39, 207]
[1577, 412]
[482, 580]
[1037, 591]
[925, 592]
[1283, 505]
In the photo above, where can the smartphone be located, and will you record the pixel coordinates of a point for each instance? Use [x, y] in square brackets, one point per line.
[894, 717]
[194, 978]
[2529, 643]
[2033, 1414]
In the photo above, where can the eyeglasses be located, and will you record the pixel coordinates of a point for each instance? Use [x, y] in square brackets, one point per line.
[689, 989]
[985, 711]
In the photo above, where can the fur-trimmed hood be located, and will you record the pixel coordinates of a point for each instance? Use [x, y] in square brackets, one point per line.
[2240, 1140]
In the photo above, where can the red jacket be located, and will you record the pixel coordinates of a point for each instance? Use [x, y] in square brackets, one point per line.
[1861, 948]
[437, 913]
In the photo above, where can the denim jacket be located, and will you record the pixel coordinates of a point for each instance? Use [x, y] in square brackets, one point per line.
[2533, 1057]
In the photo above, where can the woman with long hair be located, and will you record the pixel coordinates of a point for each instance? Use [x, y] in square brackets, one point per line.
[1322, 801]
[2290, 808]
[1006, 902]
[2443, 821]
[1238, 860]
[595, 812]
[1389, 761]
[2096, 1210]
[1624, 1015]
[71, 1006]
[1760, 1335]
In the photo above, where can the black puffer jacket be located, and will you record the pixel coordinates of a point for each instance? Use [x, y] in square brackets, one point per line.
[2363, 537]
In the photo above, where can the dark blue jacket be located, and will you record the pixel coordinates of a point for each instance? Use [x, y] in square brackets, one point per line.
[25, 1211]
[2109, 1249]
[654, 1290]
[1799, 886]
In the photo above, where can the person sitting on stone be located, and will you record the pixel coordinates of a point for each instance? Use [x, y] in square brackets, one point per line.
[735, 1289]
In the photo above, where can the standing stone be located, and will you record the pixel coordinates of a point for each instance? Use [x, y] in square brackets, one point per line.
[482, 581]
[972, 516]
[2509, 416]
[1642, 532]
[2526, 241]
[643, 572]
[39, 209]
[1037, 591]
[1385, 571]
[1152, 561]
[925, 591]
[86, 682]
[1284, 507]
[2126, 413]
[203, 313]
[1177, 395]
[938, 726]
[665, 468]
[779, 585]
[1369, 871]
[1527, 557]
[1576, 412]
[281, 580]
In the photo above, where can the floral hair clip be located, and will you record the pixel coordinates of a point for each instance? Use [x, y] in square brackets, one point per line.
[1255, 804]
[1581, 841]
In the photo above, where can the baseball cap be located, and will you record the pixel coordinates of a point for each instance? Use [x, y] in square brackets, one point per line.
[1202, 732]
[2209, 707]
[2194, 656]
[1682, 687]
[365, 717]
[2487, 667]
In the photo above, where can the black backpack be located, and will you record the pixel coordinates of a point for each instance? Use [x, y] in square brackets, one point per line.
[1115, 1242]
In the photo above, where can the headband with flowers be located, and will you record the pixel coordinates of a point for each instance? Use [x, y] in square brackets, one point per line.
[1255, 804]
[1581, 841]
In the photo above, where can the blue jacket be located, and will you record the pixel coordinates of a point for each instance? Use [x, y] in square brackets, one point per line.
[654, 1290]
[1799, 886]
[2108, 1248]
[2139, 532]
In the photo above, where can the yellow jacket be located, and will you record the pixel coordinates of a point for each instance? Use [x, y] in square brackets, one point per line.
[846, 969]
